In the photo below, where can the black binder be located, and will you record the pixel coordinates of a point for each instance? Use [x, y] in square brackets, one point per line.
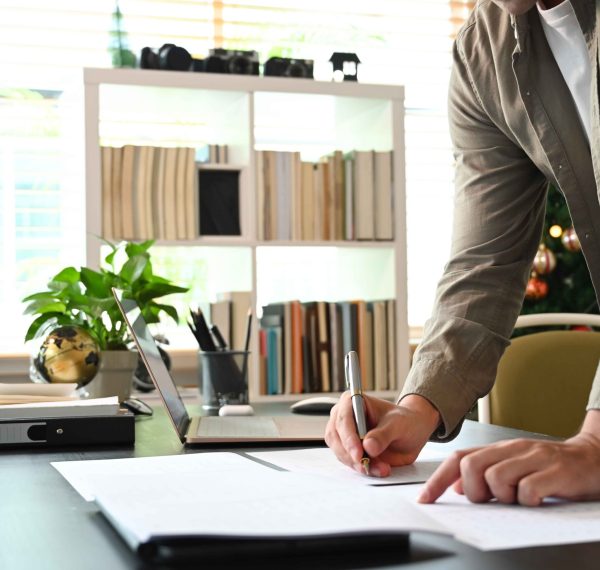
[82, 431]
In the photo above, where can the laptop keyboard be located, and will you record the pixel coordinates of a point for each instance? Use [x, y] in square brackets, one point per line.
[242, 427]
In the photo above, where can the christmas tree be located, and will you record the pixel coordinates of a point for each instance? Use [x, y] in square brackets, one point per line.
[559, 281]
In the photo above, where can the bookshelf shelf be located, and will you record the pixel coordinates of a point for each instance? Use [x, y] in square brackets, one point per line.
[251, 114]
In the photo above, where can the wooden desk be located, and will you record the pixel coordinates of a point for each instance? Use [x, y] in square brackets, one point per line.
[45, 524]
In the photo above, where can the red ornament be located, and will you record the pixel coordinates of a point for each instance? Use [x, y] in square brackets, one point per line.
[570, 240]
[584, 328]
[544, 261]
[536, 289]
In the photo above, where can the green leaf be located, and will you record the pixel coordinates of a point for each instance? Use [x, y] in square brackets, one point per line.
[132, 248]
[67, 275]
[169, 309]
[36, 328]
[95, 283]
[153, 290]
[46, 295]
[42, 306]
[133, 268]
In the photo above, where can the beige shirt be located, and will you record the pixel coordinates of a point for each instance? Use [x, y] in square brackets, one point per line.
[514, 128]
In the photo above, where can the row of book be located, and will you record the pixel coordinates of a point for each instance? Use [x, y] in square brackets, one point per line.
[230, 313]
[341, 197]
[302, 345]
[149, 193]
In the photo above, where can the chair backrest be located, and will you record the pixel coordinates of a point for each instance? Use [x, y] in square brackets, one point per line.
[544, 379]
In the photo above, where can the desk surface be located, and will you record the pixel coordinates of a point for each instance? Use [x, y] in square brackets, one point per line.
[44, 523]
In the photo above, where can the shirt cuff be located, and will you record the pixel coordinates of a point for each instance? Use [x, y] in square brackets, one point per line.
[594, 399]
[443, 387]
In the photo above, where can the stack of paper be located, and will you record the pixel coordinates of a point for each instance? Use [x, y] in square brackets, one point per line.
[50, 400]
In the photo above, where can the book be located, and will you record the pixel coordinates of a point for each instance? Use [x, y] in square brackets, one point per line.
[138, 192]
[367, 364]
[283, 192]
[338, 195]
[392, 369]
[349, 228]
[274, 372]
[323, 346]
[148, 202]
[308, 194]
[156, 193]
[297, 348]
[220, 315]
[260, 196]
[117, 212]
[287, 348]
[127, 189]
[318, 202]
[59, 409]
[296, 183]
[274, 315]
[241, 303]
[383, 196]
[170, 194]
[106, 154]
[338, 381]
[349, 326]
[364, 216]
[180, 193]
[380, 346]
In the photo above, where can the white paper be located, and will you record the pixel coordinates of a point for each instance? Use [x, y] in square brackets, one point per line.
[250, 502]
[33, 389]
[108, 401]
[322, 462]
[84, 475]
[494, 526]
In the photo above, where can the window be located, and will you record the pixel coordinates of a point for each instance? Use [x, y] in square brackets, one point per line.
[43, 45]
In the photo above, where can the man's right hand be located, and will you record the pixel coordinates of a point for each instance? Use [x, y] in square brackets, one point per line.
[396, 436]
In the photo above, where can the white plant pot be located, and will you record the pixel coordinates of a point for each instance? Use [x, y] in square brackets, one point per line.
[114, 377]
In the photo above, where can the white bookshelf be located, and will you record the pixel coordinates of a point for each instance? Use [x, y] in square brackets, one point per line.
[253, 113]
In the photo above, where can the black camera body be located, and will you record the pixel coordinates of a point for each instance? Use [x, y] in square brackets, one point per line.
[219, 60]
[168, 56]
[288, 67]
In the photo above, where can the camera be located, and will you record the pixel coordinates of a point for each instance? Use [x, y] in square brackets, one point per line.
[242, 62]
[287, 67]
[168, 56]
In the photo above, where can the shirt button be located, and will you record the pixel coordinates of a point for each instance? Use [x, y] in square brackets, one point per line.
[527, 93]
[587, 235]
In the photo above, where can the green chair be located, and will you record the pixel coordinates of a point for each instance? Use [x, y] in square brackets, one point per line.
[544, 379]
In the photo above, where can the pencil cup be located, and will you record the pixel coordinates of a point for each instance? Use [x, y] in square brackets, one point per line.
[223, 378]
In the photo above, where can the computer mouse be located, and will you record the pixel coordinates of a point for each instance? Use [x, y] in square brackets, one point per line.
[236, 410]
[314, 405]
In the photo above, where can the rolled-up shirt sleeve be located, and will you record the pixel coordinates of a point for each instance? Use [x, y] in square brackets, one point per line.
[499, 209]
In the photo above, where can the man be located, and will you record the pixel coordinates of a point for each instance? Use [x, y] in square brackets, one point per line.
[523, 110]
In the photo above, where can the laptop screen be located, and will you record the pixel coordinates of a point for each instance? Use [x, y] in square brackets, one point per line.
[154, 362]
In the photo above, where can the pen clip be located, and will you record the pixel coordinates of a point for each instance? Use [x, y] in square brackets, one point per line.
[352, 371]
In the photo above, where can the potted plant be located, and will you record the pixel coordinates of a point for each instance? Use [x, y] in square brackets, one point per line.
[84, 298]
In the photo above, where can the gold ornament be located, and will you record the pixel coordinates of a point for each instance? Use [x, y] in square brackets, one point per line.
[544, 261]
[69, 354]
[555, 231]
[570, 240]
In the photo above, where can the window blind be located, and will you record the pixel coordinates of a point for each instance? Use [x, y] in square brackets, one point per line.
[44, 45]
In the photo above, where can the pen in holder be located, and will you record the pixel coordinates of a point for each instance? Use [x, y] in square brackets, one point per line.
[223, 378]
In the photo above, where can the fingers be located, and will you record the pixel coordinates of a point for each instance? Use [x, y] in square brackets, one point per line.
[341, 435]
[446, 474]
[516, 471]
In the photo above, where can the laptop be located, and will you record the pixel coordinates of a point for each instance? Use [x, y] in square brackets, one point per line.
[212, 429]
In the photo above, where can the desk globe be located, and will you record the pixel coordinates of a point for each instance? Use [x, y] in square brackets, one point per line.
[68, 354]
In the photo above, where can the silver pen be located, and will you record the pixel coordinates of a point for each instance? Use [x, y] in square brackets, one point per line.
[353, 382]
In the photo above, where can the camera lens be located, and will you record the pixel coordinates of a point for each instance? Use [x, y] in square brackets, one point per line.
[239, 64]
[174, 58]
[297, 70]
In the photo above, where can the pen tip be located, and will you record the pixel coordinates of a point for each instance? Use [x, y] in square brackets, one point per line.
[365, 464]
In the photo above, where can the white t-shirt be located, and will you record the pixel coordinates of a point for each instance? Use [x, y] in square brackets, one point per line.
[567, 43]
